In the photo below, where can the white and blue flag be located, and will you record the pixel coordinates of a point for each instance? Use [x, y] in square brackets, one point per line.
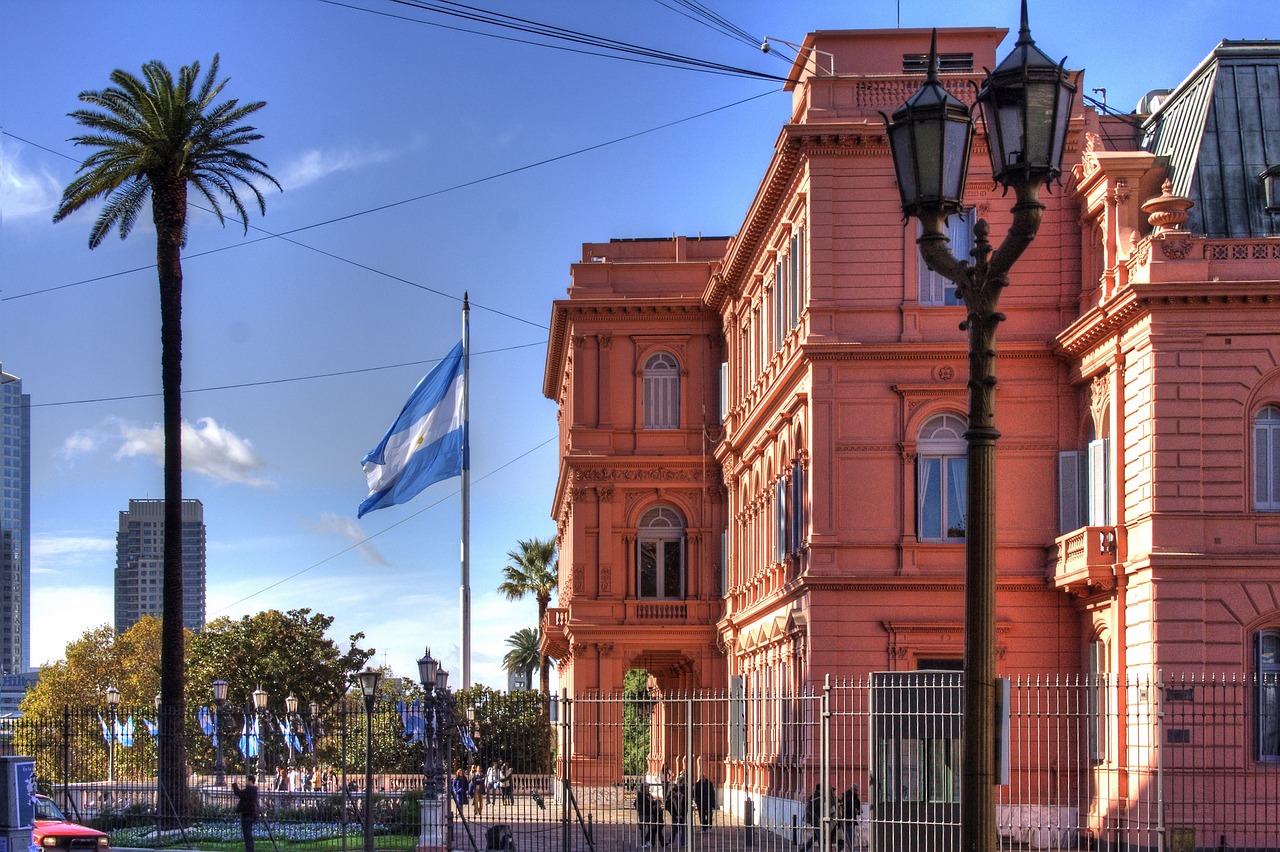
[426, 443]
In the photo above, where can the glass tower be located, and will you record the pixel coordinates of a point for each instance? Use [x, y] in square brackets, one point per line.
[140, 563]
[15, 526]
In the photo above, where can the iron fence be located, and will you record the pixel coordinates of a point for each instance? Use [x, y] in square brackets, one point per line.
[1173, 763]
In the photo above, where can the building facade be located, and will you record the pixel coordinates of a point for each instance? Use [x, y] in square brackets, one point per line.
[763, 465]
[139, 580]
[15, 526]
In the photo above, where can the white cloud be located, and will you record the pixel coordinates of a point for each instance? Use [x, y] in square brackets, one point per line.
[25, 192]
[349, 530]
[315, 165]
[55, 554]
[207, 448]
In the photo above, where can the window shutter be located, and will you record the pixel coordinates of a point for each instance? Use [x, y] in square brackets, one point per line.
[1070, 490]
[1099, 483]
[724, 389]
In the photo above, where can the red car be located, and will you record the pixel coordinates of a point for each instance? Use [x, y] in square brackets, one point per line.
[52, 831]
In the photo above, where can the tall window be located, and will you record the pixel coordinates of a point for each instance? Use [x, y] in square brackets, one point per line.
[788, 513]
[660, 554]
[1266, 460]
[941, 479]
[1099, 701]
[661, 392]
[1268, 703]
[935, 289]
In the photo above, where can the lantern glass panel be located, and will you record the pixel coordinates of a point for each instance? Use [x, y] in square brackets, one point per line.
[954, 155]
[904, 163]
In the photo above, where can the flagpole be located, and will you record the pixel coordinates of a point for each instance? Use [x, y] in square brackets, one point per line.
[466, 494]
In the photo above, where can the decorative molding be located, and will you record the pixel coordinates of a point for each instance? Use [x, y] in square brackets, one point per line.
[1175, 246]
[606, 580]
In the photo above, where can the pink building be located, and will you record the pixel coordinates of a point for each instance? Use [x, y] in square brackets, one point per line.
[762, 477]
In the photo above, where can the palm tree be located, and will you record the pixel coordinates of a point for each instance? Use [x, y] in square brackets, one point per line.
[156, 138]
[524, 655]
[533, 570]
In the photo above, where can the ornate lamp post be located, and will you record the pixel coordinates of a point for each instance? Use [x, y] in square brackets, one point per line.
[437, 711]
[259, 705]
[291, 711]
[219, 698]
[368, 680]
[1025, 105]
[113, 701]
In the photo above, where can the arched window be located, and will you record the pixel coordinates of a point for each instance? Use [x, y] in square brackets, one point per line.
[660, 554]
[1266, 460]
[1267, 662]
[941, 479]
[661, 392]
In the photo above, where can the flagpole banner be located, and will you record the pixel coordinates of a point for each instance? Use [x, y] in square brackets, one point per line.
[425, 444]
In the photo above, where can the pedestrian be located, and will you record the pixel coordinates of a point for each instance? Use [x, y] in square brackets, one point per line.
[851, 810]
[475, 789]
[458, 787]
[493, 779]
[247, 808]
[508, 784]
[677, 802]
[704, 796]
[812, 816]
[645, 812]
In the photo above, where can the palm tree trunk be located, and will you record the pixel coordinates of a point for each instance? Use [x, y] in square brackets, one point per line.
[544, 665]
[169, 205]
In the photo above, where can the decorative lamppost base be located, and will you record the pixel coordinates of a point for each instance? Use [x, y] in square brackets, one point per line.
[432, 838]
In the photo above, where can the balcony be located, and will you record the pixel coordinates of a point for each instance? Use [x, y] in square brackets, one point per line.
[1085, 560]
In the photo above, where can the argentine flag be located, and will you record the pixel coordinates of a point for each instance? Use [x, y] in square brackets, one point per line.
[425, 444]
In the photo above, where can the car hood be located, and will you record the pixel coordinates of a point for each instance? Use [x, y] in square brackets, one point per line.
[65, 829]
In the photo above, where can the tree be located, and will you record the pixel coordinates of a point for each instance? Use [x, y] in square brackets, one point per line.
[76, 686]
[533, 570]
[524, 655]
[155, 137]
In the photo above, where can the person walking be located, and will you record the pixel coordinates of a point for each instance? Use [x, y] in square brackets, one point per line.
[458, 787]
[704, 796]
[677, 802]
[247, 808]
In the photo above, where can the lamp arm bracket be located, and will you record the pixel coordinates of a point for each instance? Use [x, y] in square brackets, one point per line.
[935, 248]
[1027, 215]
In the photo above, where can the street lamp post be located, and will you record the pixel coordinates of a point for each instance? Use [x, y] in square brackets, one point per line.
[368, 680]
[113, 701]
[219, 698]
[437, 713]
[1025, 105]
[259, 705]
[291, 709]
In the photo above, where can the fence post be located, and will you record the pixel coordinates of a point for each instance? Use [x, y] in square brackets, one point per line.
[566, 761]
[824, 763]
[66, 754]
[688, 773]
[1159, 745]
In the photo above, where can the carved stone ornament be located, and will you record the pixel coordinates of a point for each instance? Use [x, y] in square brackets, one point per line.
[1099, 397]
[1175, 245]
[1167, 211]
[1089, 157]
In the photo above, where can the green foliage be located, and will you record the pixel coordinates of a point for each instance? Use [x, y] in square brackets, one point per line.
[509, 726]
[533, 570]
[524, 655]
[637, 718]
[97, 660]
[284, 654]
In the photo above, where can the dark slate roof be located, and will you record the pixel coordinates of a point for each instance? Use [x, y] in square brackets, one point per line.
[1219, 130]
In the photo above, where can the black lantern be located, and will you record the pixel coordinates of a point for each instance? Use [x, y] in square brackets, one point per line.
[1026, 106]
[427, 668]
[929, 136]
[1271, 184]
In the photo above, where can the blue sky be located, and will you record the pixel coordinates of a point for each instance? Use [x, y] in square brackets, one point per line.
[299, 350]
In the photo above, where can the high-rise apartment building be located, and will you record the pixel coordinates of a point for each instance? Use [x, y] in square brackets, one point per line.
[15, 526]
[140, 563]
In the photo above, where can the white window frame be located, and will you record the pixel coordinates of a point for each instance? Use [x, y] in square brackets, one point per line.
[942, 452]
[661, 391]
[1266, 459]
[933, 289]
[661, 528]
